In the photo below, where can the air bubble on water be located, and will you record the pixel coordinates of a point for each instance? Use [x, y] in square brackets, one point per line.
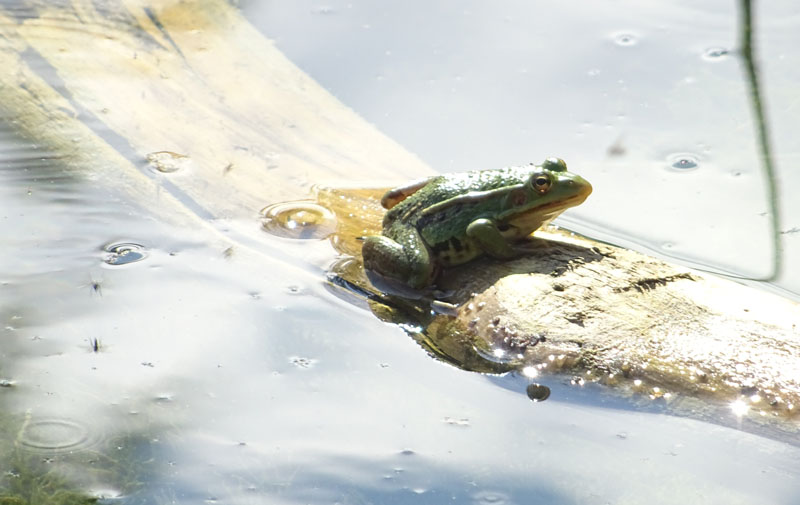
[683, 161]
[298, 220]
[123, 253]
[625, 39]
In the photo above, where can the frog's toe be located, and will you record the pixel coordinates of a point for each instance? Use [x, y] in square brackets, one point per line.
[392, 286]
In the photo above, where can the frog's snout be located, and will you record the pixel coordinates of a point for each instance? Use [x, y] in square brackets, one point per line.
[582, 187]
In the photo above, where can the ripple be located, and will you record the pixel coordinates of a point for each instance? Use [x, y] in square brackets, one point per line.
[625, 39]
[683, 161]
[55, 435]
[123, 253]
[298, 220]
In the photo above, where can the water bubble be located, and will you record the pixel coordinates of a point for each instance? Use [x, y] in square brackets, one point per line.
[167, 162]
[683, 161]
[684, 164]
[625, 39]
[715, 53]
[295, 290]
[298, 220]
[124, 253]
[55, 435]
[537, 392]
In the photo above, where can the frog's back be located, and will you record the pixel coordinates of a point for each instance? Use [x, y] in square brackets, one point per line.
[445, 187]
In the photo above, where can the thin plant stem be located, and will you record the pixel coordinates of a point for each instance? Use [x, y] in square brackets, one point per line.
[751, 70]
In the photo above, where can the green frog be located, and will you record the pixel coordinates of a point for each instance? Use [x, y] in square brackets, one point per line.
[448, 220]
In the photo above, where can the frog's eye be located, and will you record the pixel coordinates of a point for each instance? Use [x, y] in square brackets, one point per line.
[555, 164]
[541, 182]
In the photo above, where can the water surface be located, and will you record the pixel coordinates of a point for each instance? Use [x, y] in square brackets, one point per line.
[201, 373]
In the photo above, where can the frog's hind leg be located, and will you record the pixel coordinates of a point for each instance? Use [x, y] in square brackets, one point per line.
[398, 268]
[397, 195]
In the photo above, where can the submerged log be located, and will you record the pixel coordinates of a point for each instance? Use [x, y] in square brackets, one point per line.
[651, 329]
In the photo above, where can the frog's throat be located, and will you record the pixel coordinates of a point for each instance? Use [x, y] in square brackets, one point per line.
[545, 212]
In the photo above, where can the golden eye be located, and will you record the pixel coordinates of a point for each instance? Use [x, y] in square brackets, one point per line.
[541, 182]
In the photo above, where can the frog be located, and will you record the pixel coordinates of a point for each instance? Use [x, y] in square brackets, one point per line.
[447, 220]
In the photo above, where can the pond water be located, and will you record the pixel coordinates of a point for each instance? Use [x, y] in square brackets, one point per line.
[648, 102]
[145, 362]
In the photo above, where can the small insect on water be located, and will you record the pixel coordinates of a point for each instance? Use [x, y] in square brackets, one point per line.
[95, 286]
[94, 344]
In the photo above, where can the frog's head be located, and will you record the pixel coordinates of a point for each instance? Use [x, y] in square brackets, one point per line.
[548, 190]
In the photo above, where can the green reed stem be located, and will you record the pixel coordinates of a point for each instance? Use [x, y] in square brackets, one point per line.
[751, 69]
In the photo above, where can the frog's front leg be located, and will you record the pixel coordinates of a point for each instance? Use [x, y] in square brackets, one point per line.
[398, 267]
[489, 239]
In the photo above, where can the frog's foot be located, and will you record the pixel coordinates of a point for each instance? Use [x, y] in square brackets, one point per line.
[530, 245]
[392, 286]
[444, 308]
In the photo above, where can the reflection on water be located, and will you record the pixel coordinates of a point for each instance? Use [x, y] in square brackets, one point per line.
[615, 91]
[209, 373]
[203, 392]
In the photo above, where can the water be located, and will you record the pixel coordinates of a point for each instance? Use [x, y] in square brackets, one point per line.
[149, 361]
[622, 93]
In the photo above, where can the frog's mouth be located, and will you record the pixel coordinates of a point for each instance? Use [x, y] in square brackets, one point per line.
[527, 222]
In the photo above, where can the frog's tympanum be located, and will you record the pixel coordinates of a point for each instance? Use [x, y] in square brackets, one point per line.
[450, 219]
